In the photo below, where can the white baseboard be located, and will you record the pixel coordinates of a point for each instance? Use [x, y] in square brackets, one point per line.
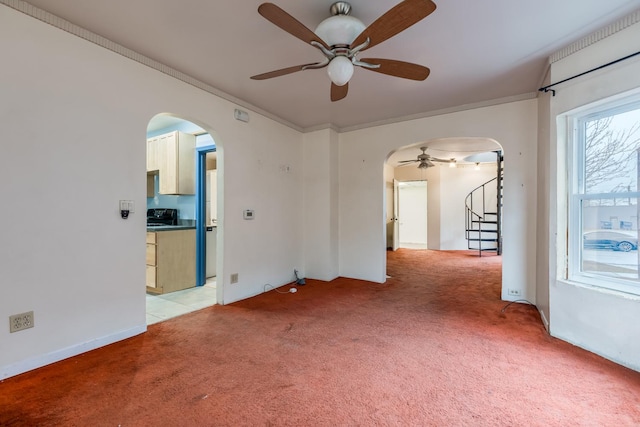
[74, 350]
[412, 245]
[630, 363]
[545, 322]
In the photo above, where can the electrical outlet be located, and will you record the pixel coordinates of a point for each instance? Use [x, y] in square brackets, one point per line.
[514, 292]
[234, 278]
[19, 322]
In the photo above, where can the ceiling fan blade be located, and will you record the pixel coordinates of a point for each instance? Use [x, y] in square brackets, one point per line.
[288, 23]
[391, 67]
[338, 92]
[408, 161]
[433, 159]
[278, 73]
[397, 19]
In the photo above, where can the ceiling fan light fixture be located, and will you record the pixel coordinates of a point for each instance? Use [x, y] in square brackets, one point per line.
[340, 30]
[452, 163]
[424, 164]
[340, 70]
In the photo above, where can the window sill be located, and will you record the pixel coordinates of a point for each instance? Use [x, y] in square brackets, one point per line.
[632, 295]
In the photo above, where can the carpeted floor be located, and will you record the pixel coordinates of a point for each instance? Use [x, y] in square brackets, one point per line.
[429, 347]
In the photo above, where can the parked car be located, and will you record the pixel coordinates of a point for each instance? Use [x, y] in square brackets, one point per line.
[611, 239]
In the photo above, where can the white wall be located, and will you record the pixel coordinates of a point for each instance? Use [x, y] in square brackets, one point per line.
[457, 183]
[600, 321]
[73, 118]
[546, 208]
[362, 208]
[320, 207]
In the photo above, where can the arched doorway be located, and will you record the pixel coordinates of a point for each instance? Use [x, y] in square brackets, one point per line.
[182, 167]
[451, 169]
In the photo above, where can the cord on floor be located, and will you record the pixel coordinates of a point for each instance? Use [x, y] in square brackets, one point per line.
[291, 290]
[518, 300]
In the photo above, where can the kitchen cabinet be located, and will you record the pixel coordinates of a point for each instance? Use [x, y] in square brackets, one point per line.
[152, 154]
[172, 157]
[176, 158]
[151, 185]
[170, 259]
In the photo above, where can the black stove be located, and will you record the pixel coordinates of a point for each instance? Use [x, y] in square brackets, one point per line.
[162, 217]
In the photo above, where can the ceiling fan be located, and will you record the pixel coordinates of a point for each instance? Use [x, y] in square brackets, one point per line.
[426, 161]
[341, 38]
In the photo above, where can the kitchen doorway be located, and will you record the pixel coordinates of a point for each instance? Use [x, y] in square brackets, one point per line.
[206, 214]
[172, 293]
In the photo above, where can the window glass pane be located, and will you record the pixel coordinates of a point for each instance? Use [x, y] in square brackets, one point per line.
[604, 208]
[610, 237]
[611, 155]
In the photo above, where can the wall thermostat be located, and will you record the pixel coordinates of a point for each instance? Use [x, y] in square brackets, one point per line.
[248, 214]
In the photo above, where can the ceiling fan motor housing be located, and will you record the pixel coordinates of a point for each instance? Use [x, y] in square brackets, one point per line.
[340, 8]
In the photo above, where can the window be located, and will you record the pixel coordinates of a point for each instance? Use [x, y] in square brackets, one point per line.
[603, 204]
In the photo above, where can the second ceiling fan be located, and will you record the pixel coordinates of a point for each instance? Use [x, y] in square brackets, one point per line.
[341, 38]
[424, 160]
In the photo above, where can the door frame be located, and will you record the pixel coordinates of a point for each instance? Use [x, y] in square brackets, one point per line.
[201, 212]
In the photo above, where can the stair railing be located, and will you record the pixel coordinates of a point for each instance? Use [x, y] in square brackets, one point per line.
[473, 214]
[469, 199]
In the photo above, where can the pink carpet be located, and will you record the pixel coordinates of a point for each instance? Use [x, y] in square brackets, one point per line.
[429, 347]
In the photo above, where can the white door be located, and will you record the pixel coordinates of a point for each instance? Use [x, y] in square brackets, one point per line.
[412, 209]
[396, 231]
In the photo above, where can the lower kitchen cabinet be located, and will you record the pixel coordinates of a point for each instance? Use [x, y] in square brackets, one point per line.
[171, 260]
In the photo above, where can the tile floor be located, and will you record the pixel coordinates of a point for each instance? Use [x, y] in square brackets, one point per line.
[163, 307]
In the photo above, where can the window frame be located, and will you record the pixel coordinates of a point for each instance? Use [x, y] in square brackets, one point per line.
[577, 195]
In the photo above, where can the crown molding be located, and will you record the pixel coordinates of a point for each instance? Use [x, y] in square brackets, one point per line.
[611, 29]
[456, 109]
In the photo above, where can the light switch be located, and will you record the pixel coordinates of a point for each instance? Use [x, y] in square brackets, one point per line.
[248, 214]
[126, 208]
[127, 205]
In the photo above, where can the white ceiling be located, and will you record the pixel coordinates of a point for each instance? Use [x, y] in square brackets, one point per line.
[478, 51]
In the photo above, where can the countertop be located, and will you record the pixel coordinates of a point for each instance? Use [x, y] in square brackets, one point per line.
[171, 228]
[176, 227]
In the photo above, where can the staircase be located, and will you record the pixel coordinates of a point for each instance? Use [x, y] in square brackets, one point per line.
[483, 213]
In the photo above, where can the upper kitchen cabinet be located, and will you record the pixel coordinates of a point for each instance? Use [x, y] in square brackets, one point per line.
[152, 155]
[173, 156]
